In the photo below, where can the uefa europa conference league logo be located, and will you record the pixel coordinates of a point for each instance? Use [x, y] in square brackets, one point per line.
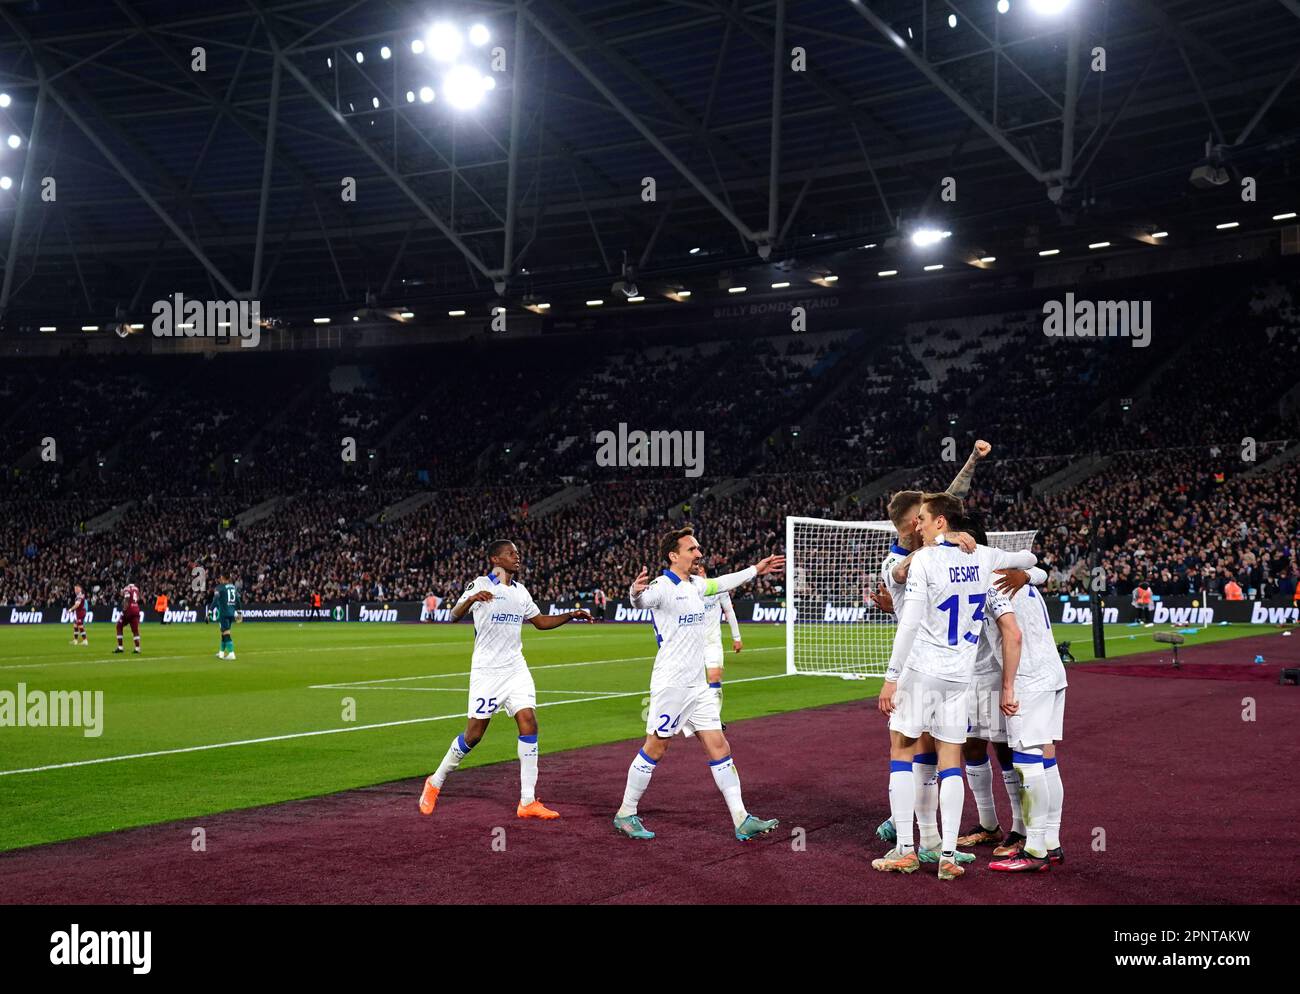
[180, 318]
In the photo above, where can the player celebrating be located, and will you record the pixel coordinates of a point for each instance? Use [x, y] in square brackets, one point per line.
[1033, 696]
[716, 607]
[902, 511]
[680, 699]
[999, 649]
[499, 678]
[226, 602]
[130, 615]
[927, 682]
[79, 616]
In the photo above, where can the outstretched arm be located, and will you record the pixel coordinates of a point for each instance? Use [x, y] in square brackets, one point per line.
[730, 581]
[960, 485]
[548, 621]
[1015, 560]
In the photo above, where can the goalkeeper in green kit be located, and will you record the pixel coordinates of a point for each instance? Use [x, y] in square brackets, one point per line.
[225, 606]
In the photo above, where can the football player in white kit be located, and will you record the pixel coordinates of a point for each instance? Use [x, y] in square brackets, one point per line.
[716, 607]
[902, 511]
[680, 699]
[1035, 690]
[999, 648]
[499, 679]
[927, 682]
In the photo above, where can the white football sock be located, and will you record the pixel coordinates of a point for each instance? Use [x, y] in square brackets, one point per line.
[638, 779]
[1055, 802]
[727, 777]
[902, 800]
[952, 797]
[527, 769]
[458, 751]
[1033, 802]
[980, 777]
[925, 771]
[1012, 783]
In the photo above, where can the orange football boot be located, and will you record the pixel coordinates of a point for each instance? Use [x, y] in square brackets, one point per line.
[428, 797]
[536, 810]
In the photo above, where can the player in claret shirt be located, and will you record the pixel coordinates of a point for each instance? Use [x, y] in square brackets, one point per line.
[79, 616]
[131, 601]
[680, 697]
[499, 679]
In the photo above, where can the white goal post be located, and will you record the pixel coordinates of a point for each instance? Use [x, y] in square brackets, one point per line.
[831, 626]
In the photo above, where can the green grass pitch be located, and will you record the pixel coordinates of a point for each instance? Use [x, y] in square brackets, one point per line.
[289, 687]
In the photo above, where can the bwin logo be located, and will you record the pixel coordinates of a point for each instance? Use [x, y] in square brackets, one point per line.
[77, 948]
[1098, 319]
[377, 614]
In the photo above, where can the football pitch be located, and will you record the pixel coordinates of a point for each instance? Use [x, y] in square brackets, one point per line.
[310, 709]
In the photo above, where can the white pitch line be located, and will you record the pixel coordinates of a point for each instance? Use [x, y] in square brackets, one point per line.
[548, 666]
[143, 657]
[465, 690]
[459, 715]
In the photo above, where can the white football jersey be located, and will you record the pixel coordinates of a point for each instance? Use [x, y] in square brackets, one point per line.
[715, 605]
[498, 623]
[1040, 664]
[679, 616]
[896, 590]
[988, 654]
[949, 586]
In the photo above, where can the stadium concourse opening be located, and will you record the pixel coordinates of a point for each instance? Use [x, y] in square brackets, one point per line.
[443, 446]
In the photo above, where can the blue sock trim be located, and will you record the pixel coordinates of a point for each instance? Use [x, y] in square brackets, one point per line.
[1007, 767]
[900, 766]
[719, 762]
[1025, 758]
[951, 771]
[530, 739]
[462, 745]
[926, 758]
[1048, 763]
[642, 754]
[716, 686]
[977, 762]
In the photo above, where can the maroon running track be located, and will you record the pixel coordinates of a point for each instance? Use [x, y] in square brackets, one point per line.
[1196, 805]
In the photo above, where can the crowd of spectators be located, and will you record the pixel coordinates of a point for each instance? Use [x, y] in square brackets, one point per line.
[792, 426]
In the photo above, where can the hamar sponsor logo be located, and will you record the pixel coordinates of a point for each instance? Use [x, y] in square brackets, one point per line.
[77, 948]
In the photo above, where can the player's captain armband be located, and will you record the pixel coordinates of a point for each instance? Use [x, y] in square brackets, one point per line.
[710, 587]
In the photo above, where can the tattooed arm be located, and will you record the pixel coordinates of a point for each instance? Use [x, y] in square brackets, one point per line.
[960, 485]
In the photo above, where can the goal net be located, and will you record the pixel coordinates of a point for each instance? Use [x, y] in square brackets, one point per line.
[832, 567]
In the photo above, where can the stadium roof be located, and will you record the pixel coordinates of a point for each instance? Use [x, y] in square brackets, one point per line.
[163, 180]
